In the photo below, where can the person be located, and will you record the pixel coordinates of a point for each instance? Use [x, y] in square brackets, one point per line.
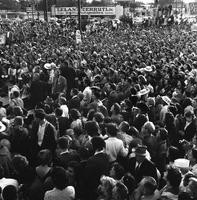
[61, 190]
[64, 153]
[105, 189]
[173, 178]
[139, 166]
[114, 146]
[6, 181]
[16, 100]
[96, 166]
[42, 135]
[19, 137]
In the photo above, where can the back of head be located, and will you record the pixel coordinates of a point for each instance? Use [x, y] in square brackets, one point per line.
[98, 143]
[45, 157]
[9, 193]
[63, 142]
[112, 129]
[59, 178]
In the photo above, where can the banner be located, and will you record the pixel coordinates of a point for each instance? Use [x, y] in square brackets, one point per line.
[2, 39]
[85, 11]
[194, 27]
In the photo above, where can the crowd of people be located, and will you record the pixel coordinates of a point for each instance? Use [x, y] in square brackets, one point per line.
[113, 117]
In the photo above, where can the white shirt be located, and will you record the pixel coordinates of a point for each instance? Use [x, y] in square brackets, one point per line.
[55, 194]
[65, 111]
[115, 147]
[41, 130]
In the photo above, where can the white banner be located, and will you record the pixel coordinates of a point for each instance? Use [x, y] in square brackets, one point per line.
[194, 27]
[85, 11]
[2, 39]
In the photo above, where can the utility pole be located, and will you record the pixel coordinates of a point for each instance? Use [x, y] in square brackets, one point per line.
[46, 10]
[79, 15]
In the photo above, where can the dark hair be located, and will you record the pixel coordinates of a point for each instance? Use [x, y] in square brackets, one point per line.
[75, 114]
[59, 178]
[9, 193]
[173, 153]
[119, 170]
[39, 113]
[98, 143]
[92, 128]
[112, 129]
[174, 176]
[16, 94]
[58, 112]
[150, 184]
[63, 142]
[99, 117]
[45, 157]
[184, 196]
[90, 114]
[129, 181]
[194, 153]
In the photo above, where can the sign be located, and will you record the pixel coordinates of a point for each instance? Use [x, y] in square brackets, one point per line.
[193, 8]
[194, 27]
[2, 39]
[85, 11]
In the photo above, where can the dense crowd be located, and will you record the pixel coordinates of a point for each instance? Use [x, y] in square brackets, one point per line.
[113, 117]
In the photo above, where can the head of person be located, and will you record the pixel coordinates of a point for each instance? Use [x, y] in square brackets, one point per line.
[192, 187]
[39, 114]
[129, 181]
[124, 126]
[117, 171]
[59, 178]
[189, 115]
[19, 162]
[140, 153]
[149, 185]
[9, 193]
[120, 191]
[173, 153]
[173, 177]
[148, 128]
[16, 94]
[112, 129]
[63, 143]
[98, 143]
[45, 157]
[92, 128]
[106, 186]
[58, 112]
[98, 117]
[74, 114]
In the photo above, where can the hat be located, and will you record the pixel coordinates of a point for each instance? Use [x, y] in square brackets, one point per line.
[2, 127]
[182, 163]
[143, 92]
[148, 69]
[166, 99]
[141, 150]
[47, 66]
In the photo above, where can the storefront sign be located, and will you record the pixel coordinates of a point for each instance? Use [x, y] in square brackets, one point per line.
[85, 11]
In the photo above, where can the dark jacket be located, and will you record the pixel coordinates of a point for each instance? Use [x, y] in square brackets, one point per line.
[147, 168]
[97, 166]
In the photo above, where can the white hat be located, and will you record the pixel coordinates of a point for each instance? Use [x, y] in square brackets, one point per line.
[2, 127]
[166, 99]
[47, 66]
[182, 163]
[148, 69]
[143, 92]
